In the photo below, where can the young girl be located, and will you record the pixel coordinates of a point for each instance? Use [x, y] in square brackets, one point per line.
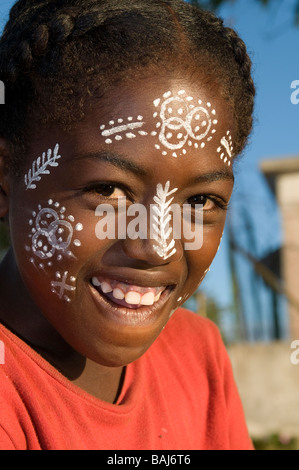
[112, 107]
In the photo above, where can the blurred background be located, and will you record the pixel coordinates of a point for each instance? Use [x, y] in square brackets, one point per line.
[252, 289]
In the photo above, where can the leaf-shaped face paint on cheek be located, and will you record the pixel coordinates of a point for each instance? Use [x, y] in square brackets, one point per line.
[41, 166]
[162, 218]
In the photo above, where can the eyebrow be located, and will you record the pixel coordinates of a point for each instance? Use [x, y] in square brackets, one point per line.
[215, 176]
[115, 160]
[132, 167]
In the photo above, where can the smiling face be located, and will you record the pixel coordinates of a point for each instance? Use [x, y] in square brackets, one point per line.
[156, 143]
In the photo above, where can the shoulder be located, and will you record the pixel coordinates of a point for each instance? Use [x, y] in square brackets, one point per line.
[13, 413]
[194, 339]
[188, 319]
[185, 324]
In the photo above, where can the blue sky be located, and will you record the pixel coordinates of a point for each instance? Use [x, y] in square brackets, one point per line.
[272, 41]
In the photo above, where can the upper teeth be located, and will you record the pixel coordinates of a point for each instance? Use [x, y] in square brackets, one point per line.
[131, 296]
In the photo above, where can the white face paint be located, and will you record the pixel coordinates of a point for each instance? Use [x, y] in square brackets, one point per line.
[119, 129]
[226, 149]
[41, 167]
[182, 122]
[60, 286]
[52, 237]
[182, 300]
[52, 232]
[161, 229]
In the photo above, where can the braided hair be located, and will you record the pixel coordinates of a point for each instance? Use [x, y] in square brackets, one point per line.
[57, 56]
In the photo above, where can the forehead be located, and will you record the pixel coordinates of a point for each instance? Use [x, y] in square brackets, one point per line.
[176, 115]
[169, 128]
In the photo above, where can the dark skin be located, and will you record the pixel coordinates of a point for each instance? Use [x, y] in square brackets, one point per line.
[87, 339]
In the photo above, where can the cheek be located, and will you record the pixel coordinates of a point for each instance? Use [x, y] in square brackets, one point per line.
[47, 242]
[199, 261]
[54, 234]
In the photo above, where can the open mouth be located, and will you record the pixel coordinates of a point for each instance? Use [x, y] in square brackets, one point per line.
[127, 295]
[129, 304]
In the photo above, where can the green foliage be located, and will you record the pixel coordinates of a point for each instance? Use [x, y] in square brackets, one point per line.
[276, 442]
[214, 311]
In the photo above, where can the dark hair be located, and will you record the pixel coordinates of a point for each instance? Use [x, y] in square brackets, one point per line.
[56, 55]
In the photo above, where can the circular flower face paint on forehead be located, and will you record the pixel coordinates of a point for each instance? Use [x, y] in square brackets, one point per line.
[183, 121]
[180, 122]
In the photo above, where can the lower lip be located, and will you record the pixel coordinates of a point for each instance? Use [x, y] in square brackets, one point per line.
[141, 316]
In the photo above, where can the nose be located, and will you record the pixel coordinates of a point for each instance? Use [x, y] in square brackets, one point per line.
[153, 252]
[154, 242]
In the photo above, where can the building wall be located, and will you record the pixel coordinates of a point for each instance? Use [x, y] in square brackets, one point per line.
[287, 188]
[268, 383]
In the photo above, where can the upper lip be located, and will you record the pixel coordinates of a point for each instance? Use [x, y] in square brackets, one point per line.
[140, 278]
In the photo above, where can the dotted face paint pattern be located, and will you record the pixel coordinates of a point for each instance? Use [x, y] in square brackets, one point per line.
[226, 149]
[183, 122]
[120, 129]
[60, 286]
[52, 234]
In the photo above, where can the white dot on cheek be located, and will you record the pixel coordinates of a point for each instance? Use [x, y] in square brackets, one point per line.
[79, 227]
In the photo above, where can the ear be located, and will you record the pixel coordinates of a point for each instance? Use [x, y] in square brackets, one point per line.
[4, 177]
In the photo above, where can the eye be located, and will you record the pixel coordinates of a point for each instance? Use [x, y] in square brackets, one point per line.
[106, 190]
[207, 203]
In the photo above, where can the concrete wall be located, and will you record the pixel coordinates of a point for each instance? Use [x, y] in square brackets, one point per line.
[288, 200]
[268, 383]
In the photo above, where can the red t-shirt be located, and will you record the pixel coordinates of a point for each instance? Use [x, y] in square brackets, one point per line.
[180, 395]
